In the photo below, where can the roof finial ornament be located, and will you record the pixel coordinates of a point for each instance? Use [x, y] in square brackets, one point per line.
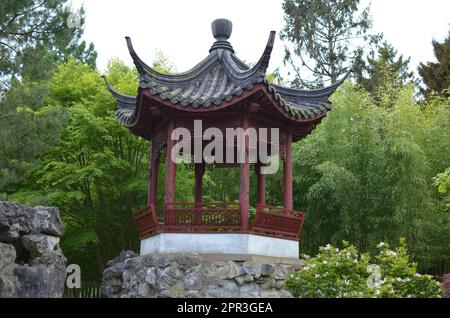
[221, 29]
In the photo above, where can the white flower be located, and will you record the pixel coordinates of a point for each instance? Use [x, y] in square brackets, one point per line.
[398, 279]
[417, 275]
[391, 253]
[373, 269]
[381, 244]
[377, 292]
[317, 276]
[325, 262]
[327, 247]
[346, 282]
[337, 263]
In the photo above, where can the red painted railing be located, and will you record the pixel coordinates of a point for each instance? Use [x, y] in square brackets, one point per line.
[204, 216]
[147, 222]
[181, 217]
[278, 222]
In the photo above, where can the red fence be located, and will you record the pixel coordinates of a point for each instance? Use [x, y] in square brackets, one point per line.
[147, 222]
[278, 222]
[204, 216]
[220, 217]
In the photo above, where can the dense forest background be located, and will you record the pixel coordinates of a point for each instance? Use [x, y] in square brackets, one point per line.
[376, 169]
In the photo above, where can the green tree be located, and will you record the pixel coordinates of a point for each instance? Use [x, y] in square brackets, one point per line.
[34, 37]
[34, 33]
[97, 173]
[442, 182]
[436, 76]
[327, 36]
[365, 175]
[382, 71]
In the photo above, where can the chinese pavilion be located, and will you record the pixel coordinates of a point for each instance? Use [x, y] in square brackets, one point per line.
[223, 92]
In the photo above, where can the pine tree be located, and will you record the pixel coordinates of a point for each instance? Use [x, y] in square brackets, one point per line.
[436, 76]
[383, 74]
[327, 36]
[34, 33]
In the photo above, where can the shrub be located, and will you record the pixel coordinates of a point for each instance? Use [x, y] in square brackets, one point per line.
[346, 273]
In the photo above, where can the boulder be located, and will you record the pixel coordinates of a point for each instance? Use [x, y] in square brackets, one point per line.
[31, 261]
[39, 244]
[17, 220]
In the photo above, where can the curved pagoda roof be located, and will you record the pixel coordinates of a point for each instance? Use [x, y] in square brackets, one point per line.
[219, 79]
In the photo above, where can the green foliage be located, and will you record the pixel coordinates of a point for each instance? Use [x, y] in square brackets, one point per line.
[365, 175]
[327, 36]
[442, 182]
[345, 273]
[436, 76]
[34, 37]
[383, 75]
[97, 173]
[36, 34]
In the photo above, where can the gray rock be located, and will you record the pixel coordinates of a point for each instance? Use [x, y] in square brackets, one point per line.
[149, 260]
[230, 270]
[249, 291]
[164, 261]
[187, 261]
[216, 291]
[253, 268]
[271, 293]
[150, 278]
[16, 220]
[121, 258]
[279, 272]
[176, 291]
[7, 255]
[240, 280]
[129, 279]
[268, 284]
[143, 290]
[279, 284]
[195, 281]
[39, 244]
[168, 276]
[32, 265]
[8, 286]
[267, 269]
[192, 276]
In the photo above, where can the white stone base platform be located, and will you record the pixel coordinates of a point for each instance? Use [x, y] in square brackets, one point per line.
[220, 243]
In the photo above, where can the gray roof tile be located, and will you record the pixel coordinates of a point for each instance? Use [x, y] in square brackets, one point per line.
[218, 78]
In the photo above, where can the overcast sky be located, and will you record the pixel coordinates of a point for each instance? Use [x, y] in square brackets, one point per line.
[181, 29]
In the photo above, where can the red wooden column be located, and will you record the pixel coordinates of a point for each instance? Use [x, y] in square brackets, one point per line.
[244, 189]
[153, 175]
[198, 195]
[171, 166]
[261, 187]
[287, 169]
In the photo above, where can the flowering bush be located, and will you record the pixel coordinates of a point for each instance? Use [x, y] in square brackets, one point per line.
[345, 273]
